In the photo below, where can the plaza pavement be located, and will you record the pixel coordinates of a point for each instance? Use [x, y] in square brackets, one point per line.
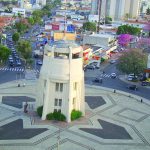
[113, 121]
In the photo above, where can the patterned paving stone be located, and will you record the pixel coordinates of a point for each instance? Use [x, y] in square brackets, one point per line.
[109, 131]
[14, 130]
[16, 101]
[94, 101]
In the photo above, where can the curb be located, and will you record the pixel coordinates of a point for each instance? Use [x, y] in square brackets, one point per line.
[138, 98]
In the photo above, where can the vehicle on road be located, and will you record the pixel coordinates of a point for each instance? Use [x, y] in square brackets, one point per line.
[39, 62]
[92, 67]
[145, 83]
[98, 80]
[132, 87]
[18, 62]
[113, 75]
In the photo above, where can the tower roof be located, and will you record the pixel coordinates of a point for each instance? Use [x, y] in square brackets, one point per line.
[65, 44]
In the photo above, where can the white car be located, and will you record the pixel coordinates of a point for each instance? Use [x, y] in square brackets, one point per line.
[131, 76]
[113, 75]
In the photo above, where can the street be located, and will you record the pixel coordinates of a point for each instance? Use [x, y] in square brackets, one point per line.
[116, 83]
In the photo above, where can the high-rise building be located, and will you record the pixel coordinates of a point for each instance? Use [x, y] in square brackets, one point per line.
[61, 81]
[117, 9]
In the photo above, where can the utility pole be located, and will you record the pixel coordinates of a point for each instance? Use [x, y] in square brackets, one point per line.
[99, 14]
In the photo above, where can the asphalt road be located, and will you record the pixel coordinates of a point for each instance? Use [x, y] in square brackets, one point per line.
[6, 76]
[114, 83]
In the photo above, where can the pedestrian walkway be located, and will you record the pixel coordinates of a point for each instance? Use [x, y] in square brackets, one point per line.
[111, 121]
[17, 69]
[105, 75]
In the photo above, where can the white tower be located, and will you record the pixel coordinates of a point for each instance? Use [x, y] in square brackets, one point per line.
[61, 81]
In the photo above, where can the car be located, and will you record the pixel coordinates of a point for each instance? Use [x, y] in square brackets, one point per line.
[132, 87]
[112, 61]
[113, 75]
[39, 62]
[11, 62]
[18, 62]
[145, 83]
[10, 57]
[98, 80]
[115, 51]
[132, 77]
[92, 67]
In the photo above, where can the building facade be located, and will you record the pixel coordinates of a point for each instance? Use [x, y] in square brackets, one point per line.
[117, 9]
[61, 81]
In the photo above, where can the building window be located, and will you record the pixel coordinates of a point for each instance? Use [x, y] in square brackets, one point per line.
[75, 85]
[59, 87]
[55, 110]
[60, 102]
[56, 102]
[59, 110]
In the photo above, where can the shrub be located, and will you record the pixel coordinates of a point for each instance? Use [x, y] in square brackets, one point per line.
[50, 116]
[102, 60]
[56, 116]
[75, 114]
[40, 111]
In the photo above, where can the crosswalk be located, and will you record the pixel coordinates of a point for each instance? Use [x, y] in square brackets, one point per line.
[12, 69]
[16, 69]
[105, 75]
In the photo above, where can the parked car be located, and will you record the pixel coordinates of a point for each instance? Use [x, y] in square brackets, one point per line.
[112, 61]
[113, 75]
[132, 87]
[18, 62]
[39, 62]
[98, 80]
[92, 67]
[132, 77]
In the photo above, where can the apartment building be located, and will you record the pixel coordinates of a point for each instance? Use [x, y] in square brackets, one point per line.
[117, 9]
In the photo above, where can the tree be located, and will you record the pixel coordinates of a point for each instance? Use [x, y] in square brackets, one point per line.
[108, 20]
[4, 53]
[124, 39]
[127, 29]
[148, 11]
[37, 15]
[25, 50]
[89, 26]
[15, 37]
[2, 37]
[31, 21]
[133, 61]
[21, 26]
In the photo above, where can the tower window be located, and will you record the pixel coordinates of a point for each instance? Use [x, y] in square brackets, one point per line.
[56, 101]
[59, 87]
[60, 102]
[75, 85]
